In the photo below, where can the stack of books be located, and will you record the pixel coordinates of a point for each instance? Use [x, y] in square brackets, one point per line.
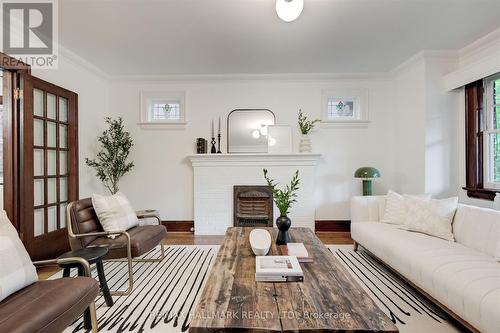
[299, 250]
[278, 269]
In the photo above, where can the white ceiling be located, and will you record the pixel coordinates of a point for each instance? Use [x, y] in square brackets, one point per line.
[154, 37]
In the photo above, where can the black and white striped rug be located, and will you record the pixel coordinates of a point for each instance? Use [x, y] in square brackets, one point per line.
[164, 293]
[410, 311]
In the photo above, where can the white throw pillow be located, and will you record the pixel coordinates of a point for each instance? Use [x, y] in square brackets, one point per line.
[395, 207]
[16, 269]
[114, 212]
[432, 217]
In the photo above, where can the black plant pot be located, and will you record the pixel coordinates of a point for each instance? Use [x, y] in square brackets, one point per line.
[283, 223]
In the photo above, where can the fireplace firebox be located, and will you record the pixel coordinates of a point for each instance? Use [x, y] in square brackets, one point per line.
[253, 206]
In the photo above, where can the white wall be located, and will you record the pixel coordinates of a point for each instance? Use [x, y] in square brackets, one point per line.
[408, 94]
[441, 129]
[426, 130]
[162, 177]
[92, 92]
[416, 137]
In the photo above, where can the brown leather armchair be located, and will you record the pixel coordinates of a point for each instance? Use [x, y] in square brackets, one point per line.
[51, 305]
[84, 230]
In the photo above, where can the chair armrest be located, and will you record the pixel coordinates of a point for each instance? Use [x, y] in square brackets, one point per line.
[367, 208]
[148, 214]
[78, 260]
[100, 233]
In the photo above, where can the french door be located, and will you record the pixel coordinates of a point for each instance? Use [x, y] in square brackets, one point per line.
[48, 165]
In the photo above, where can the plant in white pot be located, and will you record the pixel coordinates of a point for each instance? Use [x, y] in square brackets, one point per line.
[305, 126]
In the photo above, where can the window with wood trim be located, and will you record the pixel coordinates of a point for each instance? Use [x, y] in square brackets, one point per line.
[482, 126]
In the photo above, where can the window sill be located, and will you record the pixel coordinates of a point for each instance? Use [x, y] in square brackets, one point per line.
[162, 125]
[344, 123]
[481, 193]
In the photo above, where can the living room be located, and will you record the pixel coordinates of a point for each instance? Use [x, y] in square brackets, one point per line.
[163, 148]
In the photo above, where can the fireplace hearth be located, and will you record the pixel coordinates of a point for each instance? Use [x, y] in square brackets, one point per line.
[253, 206]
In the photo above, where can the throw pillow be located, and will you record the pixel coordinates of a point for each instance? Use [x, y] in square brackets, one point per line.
[395, 207]
[16, 269]
[114, 212]
[432, 217]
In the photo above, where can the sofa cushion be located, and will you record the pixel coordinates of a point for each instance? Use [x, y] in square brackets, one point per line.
[114, 212]
[47, 306]
[396, 207]
[477, 228]
[142, 239]
[461, 278]
[16, 269]
[432, 217]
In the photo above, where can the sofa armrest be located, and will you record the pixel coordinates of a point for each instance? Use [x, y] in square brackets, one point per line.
[367, 208]
[78, 260]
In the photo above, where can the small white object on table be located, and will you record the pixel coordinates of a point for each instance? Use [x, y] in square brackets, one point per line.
[260, 241]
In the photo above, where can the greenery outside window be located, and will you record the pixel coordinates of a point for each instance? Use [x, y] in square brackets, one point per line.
[492, 132]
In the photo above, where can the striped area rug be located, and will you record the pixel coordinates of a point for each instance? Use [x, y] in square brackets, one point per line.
[164, 293]
[404, 305]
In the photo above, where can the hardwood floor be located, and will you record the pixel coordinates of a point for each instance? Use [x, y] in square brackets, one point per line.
[188, 238]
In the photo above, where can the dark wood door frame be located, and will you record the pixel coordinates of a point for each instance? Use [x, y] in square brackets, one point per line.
[58, 240]
[13, 69]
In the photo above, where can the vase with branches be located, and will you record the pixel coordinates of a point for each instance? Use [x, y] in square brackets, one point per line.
[305, 126]
[283, 198]
[111, 162]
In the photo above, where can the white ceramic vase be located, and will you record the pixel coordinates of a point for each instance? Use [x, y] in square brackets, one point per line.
[305, 145]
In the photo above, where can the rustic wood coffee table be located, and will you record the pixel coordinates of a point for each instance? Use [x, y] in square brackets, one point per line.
[328, 300]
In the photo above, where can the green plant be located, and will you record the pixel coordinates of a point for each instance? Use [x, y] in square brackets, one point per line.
[111, 161]
[284, 198]
[306, 125]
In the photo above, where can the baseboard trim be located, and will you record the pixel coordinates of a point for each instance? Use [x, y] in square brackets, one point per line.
[179, 226]
[332, 226]
[319, 226]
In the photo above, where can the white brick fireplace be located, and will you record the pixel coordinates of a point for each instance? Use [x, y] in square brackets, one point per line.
[216, 174]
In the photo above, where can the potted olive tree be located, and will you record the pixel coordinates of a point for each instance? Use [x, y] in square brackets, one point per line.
[283, 198]
[111, 162]
[305, 126]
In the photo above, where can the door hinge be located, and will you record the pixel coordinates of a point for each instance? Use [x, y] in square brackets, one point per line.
[18, 94]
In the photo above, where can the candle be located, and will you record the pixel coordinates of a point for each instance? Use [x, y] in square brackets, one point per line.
[219, 124]
[213, 129]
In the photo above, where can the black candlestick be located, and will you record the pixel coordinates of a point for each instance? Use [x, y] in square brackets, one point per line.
[218, 144]
[213, 150]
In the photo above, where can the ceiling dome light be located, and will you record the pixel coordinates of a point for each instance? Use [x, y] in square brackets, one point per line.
[289, 10]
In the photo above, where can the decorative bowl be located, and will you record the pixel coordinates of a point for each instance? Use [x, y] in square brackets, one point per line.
[260, 241]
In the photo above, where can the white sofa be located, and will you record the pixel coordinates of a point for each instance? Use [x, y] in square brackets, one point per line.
[464, 275]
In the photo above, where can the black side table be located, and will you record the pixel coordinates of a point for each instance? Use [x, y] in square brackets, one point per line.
[93, 255]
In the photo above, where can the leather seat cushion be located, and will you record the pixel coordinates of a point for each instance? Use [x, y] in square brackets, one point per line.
[47, 306]
[142, 239]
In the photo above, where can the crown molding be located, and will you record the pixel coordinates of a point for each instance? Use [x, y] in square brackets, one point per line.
[82, 63]
[445, 55]
[483, 44]
[250, 77]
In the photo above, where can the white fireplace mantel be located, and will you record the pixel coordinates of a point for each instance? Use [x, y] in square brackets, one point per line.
[216, 174]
